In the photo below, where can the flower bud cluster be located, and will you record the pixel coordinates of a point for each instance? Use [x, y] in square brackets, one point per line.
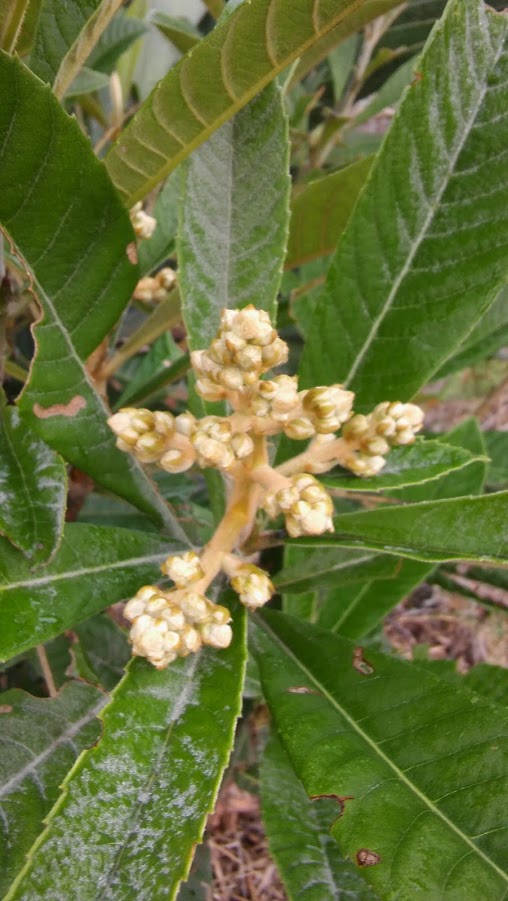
[155, 288]
[171, 624]
[246, 346]
[301, 414]
[217, 445]
[372, 436]
[143, 224]
[155, 437]
[250, 582]
[305, 504]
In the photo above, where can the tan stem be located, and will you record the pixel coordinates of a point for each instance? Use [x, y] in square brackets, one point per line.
[272, 479]
[46, 671]
[332, 452]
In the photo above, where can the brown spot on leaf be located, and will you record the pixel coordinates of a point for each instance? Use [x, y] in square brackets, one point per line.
[360, 664]
[6, 708]
[302, 690]
[132, 253]
[340, 799]
[71, 409]
[417, 76]
[366, 858]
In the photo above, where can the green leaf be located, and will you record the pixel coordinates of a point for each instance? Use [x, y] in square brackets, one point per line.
[298, 832]
[309, 569]
[411, 29]
[149, 783]
[12, 15]
[153, 252]
[240, 180]
[355, 611]
[484, 679]
[102, 651]
[214, 81]
[120, 34]
[72, 233]
[360, 15]
[58, 27]
[390, 91]
[405, 289]
[419, 765]
[497, 449]
[487, 337]
[423, 462]
[320, 211]
[33, 488]
[86, 81]
[340, 62]
[182, 34]
[94, 567]
[465, 528]
[40, 739]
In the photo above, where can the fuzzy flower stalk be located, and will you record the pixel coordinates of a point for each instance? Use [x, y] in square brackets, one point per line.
[172, 623]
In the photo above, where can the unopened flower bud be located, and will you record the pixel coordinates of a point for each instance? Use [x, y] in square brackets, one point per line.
[242, 445]
[209, 391]
[190, 641]
[300, 429]
[177, 460]
[216, 635]
[195, 607]
[143, 224]
[183, 569]
[252, 585]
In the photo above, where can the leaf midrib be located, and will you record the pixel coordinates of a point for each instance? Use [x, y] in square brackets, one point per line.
[377, 751]
[84, 571]
[37, 761]
[433, 206]
[346, 564]
[231, 110]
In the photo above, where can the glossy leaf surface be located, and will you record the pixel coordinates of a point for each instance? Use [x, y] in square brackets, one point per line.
[405, 289]
[375, 731]
[233, 217]
[73, 234]
[167, 739]
[465, 528]
[298, 832]
[40, 738]
[422, 462]
[306, 568]
[94, 567]
[33, 484]
[214, 81]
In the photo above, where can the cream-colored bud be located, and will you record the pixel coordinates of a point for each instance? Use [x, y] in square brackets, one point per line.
[250, 358]
[214, 453]
[356, 427]
[143, 224]
[219, 615]
[234, 343]
[183, 569]
[177, 460]
[364, 464]
[250, 324]
[275, 354]
[271, 505]
[310, 519]
[216, 635]
[163, 423]
[150, 447]
[210, 391]
[145, 289]
[174, 617]
[253, 585]
[190, 641]
[242, 445]
[299, 429]
[185, 424]
[166, 277]
[376, 446]
[195, 607]
[134, 608]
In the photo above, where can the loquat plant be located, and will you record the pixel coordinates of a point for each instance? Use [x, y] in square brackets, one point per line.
[253, 329]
